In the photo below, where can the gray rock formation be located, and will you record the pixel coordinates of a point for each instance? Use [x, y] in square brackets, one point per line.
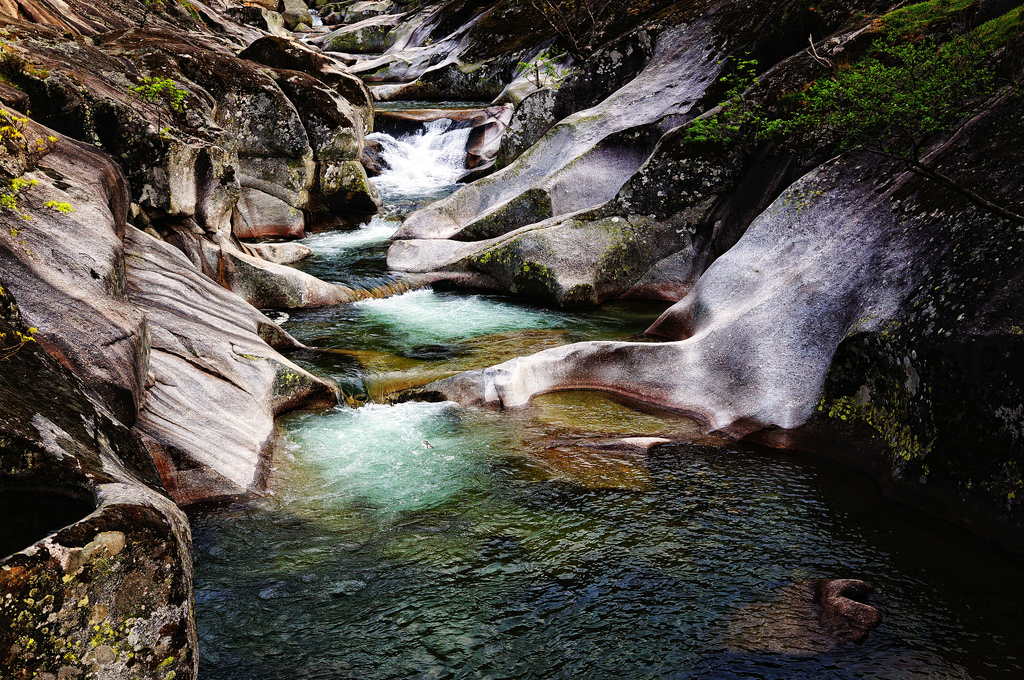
[110, 594]
[239, 159]
[215, 384]
[163, 347]
[370, 35]
[825, 253]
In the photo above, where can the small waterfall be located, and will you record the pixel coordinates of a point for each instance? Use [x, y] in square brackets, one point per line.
[423, 163]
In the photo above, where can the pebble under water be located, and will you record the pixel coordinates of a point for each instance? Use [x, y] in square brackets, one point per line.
[426, 540]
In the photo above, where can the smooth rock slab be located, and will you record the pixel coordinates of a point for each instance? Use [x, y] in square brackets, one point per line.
[215, 385]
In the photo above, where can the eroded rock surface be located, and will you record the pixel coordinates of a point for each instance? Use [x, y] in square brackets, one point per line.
[164, 347]
[110, 595]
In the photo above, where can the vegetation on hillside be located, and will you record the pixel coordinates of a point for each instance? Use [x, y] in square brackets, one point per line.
[892, 101]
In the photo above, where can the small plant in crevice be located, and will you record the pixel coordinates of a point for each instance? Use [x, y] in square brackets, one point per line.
[13, 340]
[542, 64]
[14, 68]
[734, 117]
[19, 156]
[160, 92]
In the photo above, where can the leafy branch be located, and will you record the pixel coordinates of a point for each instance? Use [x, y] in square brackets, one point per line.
[730, 121]
[894, 100]
[541, 64]
[161, 91]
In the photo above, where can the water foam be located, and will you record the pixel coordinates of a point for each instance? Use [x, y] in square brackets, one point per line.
[426, 316]
[377, 230]
[425, 162]
[395, 458]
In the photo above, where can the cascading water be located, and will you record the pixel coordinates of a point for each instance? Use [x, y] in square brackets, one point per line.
[420, 167]
[424, 540]
[424, 163]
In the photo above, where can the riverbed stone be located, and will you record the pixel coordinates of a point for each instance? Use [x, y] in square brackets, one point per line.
[368, 35]
[365, 9]
[260, 215]
[294, 13]
[345, 188]
[806, 618]
[281, 253]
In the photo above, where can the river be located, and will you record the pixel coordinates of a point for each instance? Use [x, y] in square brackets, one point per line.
[425, 540]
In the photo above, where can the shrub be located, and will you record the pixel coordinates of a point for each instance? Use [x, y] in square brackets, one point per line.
[161, 91]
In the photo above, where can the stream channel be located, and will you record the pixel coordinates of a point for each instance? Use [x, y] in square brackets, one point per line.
[425, 540]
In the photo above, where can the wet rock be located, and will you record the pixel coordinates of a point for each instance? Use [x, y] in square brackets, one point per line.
[260, 215]
[578, 262]
[261, 283]
[844, 611]
[373, 158]
[485, 139]
[248, 163]
[215, 383]
[586, 158]
[358, 11]
[344, 187]
[294, 13]
[281, 253]
[735, 366]
[265, 19]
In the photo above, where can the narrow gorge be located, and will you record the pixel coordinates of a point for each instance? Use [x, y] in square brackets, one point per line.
[511, 339]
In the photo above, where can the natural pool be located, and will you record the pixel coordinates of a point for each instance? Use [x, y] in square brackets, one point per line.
[430, 541]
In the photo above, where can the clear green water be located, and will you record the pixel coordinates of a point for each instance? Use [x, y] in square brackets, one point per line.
[430, 541]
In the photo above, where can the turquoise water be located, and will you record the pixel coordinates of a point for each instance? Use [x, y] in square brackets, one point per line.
[426, 540]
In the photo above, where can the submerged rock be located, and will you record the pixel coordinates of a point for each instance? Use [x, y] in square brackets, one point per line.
[806, 618]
